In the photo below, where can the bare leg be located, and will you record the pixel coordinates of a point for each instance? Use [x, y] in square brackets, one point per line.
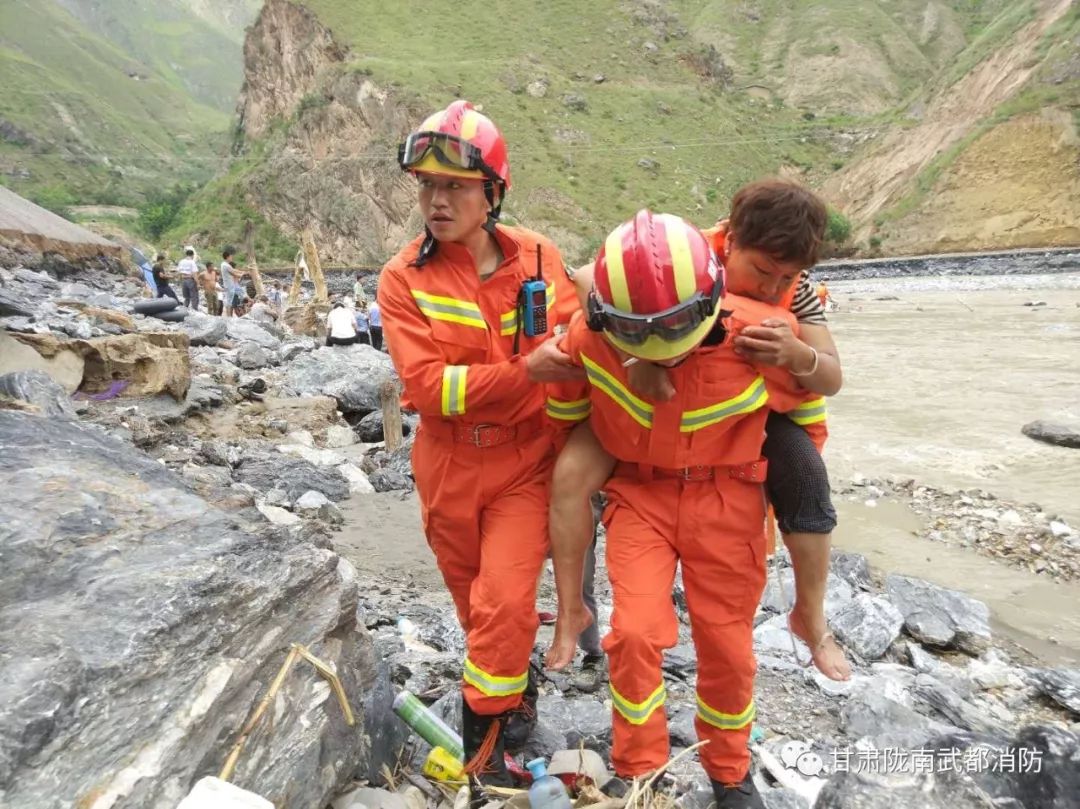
[810, 561]
[580, 470]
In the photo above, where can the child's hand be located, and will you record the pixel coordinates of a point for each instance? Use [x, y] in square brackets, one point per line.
[651, 381]
[773, 343]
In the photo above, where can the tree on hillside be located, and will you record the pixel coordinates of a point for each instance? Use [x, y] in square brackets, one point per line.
[161, 211]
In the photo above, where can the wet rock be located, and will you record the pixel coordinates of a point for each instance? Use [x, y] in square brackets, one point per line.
[389, 480]
[358, 481]
[338, 436]
[351, 374]
[1049, 433]
[951, 706]
[783, 799]
[204, 330]
[780, 592]
[867, 625]
[294, 475]
[276, 514]
[1060, 685]
[248, 331]
[165, 654]
[370, 427]
[302, 438]
[887, 722]
[852, 568]
[681, 727]
[680, 660]
[585, 716]
[251, 356]
[37, 390]
[319, 457]
[291, 351]
[939, 617]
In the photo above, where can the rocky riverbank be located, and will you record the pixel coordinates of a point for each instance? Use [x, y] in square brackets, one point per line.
[188, 525]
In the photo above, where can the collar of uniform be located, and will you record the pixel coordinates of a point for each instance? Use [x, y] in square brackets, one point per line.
[457, 252]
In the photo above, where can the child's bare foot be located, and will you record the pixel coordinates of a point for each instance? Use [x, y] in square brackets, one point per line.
[569, 624]
[827, 655]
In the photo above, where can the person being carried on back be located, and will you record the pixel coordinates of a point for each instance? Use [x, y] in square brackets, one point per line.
[773, 234]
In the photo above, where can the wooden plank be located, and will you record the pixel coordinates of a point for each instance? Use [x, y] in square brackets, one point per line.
[391, 414]
[249, 253]
[311, 256]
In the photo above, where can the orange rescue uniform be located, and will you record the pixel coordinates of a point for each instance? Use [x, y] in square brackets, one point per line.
[483, 453]
[812, 411]
[687, 487]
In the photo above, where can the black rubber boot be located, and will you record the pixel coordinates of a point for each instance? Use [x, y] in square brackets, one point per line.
[522, 719]
[743, 795]
[477, 733]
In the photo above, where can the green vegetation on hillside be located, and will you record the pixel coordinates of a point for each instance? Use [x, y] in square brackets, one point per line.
[197, 49]
[82, 122]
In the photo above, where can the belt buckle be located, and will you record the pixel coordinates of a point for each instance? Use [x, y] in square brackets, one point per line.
[695, 473]
[480, 439]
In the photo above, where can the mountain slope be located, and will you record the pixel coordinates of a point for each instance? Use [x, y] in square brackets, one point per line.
[196, 45]
[615, 104]
[82, 121]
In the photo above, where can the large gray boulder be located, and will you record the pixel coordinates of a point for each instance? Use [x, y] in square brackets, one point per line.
[351, 374]
[867, 625]
[1049, 433]
[38, 390]
[204, 330]
[938, 617]
[140, 626]
[249, 331]
[294, 475]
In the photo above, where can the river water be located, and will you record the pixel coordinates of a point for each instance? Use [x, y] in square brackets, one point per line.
[940, 374]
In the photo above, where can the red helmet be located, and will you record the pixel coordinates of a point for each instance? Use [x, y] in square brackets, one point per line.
[458, 142]
[657, 287]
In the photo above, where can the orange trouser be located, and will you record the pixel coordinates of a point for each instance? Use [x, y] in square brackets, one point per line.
[485, 513]
[714, 527]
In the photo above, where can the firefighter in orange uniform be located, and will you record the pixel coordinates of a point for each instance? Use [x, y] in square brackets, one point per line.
[686, 488]
[469, 310]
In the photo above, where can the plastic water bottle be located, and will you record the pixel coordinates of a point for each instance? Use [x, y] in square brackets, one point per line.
[547, 791]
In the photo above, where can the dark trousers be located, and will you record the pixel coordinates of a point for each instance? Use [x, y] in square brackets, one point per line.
[191, 293]
[376, 337]
[340, 341]
[164, 289]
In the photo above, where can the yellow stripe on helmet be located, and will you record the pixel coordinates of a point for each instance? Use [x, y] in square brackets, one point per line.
[682, 260]
[616, 271]
[470, 121]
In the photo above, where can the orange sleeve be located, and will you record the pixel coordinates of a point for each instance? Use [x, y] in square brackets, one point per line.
[568, 402]
[477, 392]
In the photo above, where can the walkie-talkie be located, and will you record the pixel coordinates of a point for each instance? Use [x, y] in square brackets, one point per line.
[534, 301]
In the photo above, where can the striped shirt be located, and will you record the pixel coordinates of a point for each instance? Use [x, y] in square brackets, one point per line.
[806, 306]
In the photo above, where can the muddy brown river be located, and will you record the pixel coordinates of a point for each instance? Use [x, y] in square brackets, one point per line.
[940, 375]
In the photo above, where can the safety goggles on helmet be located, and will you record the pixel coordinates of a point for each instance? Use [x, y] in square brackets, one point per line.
[670, 325]
[449, 150]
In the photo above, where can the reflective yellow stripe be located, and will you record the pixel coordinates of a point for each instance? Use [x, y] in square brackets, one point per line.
[748, 401]
[682, 262]
[638, 713]
[641, 411]
[809, 412]
[725, 721]
[616, 273]
[492, 686]
[438, 307]
[577, 410]
[508, 320]
[453, 389]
